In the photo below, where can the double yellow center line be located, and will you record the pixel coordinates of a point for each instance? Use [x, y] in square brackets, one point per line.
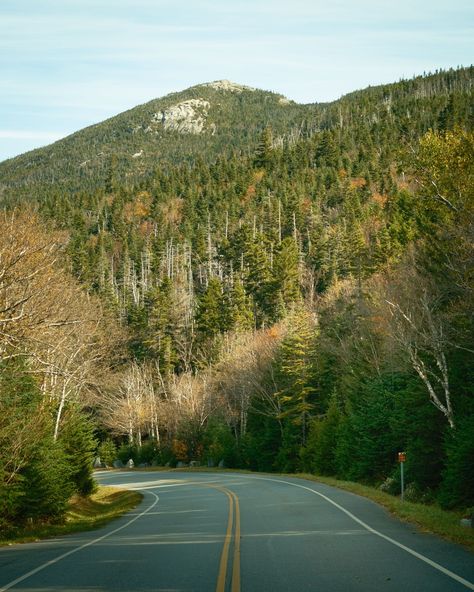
[221, 579]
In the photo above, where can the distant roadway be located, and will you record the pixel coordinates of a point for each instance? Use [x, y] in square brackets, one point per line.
[231, 532]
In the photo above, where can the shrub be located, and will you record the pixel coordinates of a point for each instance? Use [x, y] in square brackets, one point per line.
[79, 444]
[220, 444]
[46, 485]
[457, 487]
[107, 452]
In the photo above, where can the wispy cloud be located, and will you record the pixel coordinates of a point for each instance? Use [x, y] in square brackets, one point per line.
[69, 64]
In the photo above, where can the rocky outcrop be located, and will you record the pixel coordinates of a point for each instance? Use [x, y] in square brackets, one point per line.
[188, 117]
[228, 86]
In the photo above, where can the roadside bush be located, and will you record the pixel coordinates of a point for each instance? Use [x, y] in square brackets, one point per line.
[319, 456]
[457, 487]
[288, 455]
[258, 445]
[220, 444]
[107, 452]
[126, 451]
[79, 444]
[165, 456]
[46, 485]
[148, 453]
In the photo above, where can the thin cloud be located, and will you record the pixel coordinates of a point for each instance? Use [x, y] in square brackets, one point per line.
[69, 64]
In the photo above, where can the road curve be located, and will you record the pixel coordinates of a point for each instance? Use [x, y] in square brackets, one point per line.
[230, 532]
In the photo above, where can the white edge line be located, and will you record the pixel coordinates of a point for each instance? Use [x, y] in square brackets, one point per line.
[419, 556]
[88, 544]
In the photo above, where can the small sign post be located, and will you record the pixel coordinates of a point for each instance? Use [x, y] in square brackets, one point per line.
[401, 459]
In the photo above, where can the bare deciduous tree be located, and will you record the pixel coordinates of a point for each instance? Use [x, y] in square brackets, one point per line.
[245, 371]
[44, 315]
[416, 324]
[420, 331]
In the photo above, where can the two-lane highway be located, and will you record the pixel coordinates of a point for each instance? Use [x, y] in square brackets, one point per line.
[229, 532]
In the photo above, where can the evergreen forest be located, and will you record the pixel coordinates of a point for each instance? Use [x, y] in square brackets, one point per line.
[281, 287]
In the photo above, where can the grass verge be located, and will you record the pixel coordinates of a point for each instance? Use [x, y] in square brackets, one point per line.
[84, 513]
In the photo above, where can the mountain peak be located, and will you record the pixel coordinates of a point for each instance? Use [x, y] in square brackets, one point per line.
[228, 85]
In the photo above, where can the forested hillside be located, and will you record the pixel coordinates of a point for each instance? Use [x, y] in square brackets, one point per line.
[204, 121]
[276, 286]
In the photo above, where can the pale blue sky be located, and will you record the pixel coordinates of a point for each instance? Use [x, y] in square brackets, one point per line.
[65, 64]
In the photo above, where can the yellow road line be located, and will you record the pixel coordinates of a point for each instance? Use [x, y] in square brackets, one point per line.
[225, 551]
[221, 579]
[236, 561]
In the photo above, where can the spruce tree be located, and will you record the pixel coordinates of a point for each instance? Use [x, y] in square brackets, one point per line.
[285, 287]
[264, 152]
[210, 319]
[240, 312]
[295, 366]
[258, 280]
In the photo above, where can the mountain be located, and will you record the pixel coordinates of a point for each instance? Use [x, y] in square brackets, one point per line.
[221, 118]
[202, 121]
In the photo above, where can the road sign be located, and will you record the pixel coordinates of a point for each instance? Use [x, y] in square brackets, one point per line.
[401, 459]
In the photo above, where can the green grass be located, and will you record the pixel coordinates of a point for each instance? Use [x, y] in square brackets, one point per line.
[84, 513]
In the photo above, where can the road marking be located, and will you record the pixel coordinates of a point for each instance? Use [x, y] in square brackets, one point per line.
[221, 579]
[236, 561]
[233, 502]
[225, 550]
[88, 544]
[419, 556]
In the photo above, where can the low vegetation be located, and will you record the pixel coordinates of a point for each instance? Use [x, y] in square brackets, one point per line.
[83, 513]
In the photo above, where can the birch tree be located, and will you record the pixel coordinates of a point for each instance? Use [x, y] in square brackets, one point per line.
[44, 315]
[245, 373]
[417, 325]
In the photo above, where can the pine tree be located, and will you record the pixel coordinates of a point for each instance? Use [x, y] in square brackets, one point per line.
[264, 152]
[258, 280]
[210, 320]
[239, 312]
[285, 288]
[295, 365]
[160, 330]
[327, 152]
[78, 442]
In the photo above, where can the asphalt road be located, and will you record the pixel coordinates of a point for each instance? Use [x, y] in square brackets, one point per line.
[228, 532]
